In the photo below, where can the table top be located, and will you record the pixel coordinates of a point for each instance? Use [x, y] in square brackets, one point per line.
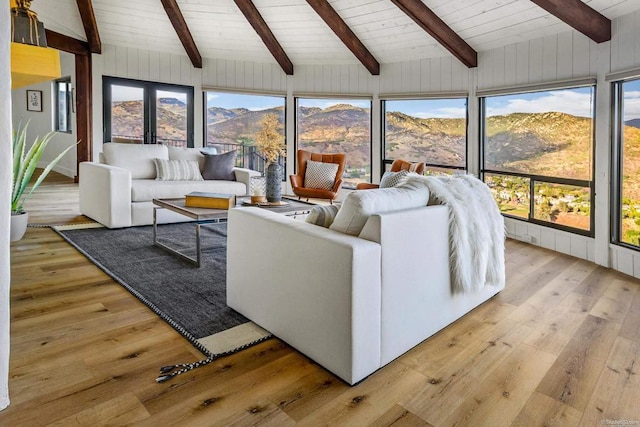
[293, 207]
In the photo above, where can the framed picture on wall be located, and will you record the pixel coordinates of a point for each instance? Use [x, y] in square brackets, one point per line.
[34, 100]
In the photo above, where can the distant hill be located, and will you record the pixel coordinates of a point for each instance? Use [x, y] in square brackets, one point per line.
[633, 123]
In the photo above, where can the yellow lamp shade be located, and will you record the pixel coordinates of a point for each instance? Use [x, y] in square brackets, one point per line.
[33, 64]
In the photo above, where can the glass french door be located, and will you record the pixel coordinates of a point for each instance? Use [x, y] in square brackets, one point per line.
[140, 112]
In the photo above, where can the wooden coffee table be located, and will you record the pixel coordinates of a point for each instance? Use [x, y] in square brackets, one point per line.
[206, 216]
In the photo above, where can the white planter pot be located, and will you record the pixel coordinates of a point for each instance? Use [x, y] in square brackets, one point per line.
[18, 225]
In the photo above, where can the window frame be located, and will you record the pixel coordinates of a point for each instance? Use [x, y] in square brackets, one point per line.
[149, 101]
[617, 159]
[533, 179]
[69, 108]
[383, 133]
[296, 132]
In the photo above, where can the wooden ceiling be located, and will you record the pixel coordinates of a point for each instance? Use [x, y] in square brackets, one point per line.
[293, 32]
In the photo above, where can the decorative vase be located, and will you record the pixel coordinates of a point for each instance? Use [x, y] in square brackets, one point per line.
[274, 180]
[18, 225]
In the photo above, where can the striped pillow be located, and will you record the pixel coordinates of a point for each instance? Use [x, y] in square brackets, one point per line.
[177, 170]
[322, 215]
[320, 175]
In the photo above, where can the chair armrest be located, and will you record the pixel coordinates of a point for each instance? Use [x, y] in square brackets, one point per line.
[315, 288]
[105, 194]
[296, 181]
[244, 175]
[337, 185]
[366, 186]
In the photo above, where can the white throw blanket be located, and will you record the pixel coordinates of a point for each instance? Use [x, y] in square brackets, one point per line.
[476, 231]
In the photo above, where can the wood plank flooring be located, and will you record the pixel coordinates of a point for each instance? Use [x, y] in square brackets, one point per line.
[559, 346]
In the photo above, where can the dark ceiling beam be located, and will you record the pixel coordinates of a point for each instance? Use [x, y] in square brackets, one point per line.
[342, 30]
[66, 43]
[250, 12]
[579, 16]
[85, 7]
[432, 24]
[180, 25]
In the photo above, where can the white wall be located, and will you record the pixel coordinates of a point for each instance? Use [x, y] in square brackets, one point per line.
[40, 123]
[5, 197]
[568, 55]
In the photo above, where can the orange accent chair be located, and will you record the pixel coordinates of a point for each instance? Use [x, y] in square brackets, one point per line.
[397, 166]
[297, 180]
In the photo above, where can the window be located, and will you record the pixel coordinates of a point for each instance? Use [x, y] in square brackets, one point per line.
[337, 126]
[142, 112]
[433, 131]
[232, 121]
[62, 90]
[627, 163]
[537, 156]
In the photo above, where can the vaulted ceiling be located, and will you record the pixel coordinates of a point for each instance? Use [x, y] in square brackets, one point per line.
[294, 32]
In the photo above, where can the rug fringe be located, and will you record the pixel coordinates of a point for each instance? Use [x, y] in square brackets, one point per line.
[186, 367]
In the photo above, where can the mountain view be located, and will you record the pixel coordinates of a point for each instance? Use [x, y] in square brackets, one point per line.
[127, 121]
[547, 144]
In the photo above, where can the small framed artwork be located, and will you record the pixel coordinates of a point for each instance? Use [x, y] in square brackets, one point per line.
[34, 100]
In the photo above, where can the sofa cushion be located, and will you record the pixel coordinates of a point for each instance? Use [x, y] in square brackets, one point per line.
[179, 153]
[177, 170]
[359, 205]
[322, 215]
[144, 190]
[393, 179]
[320, 175]
[219, 166]
[137, 158]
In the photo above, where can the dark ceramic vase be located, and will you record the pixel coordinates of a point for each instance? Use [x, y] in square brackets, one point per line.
[274, 179]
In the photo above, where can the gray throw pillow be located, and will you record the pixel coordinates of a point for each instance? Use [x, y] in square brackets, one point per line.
[219, 166]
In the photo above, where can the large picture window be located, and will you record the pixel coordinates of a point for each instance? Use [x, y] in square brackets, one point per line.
[232, 121]
[627, 165]
[141, 112]
[537, 156]
[337, 126]
[433, 131]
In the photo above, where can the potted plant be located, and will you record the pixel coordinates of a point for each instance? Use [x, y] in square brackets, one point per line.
[25, 162]
[270, 142]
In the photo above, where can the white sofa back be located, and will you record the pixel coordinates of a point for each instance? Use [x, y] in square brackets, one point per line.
[136, 158]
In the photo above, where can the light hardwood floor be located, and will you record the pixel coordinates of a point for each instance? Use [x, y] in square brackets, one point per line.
[559, 346]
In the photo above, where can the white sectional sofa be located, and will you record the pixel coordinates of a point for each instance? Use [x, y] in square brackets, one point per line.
[118, 191]
[351, 303]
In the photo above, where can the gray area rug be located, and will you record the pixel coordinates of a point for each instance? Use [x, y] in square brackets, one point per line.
[191, 299]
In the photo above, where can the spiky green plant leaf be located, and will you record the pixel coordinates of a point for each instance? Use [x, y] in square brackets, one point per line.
[25, 164]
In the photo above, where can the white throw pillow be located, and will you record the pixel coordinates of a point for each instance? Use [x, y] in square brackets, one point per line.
[393, 179]
[320, 175]
[322, 215]
[359, 205]
[177, 170]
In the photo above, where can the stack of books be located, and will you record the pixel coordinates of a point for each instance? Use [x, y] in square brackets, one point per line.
[199, 199]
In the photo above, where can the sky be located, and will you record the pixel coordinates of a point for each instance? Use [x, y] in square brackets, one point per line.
[128, 93]
[631, 100]
[430, 108]
[576, 102]
[250, 102]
